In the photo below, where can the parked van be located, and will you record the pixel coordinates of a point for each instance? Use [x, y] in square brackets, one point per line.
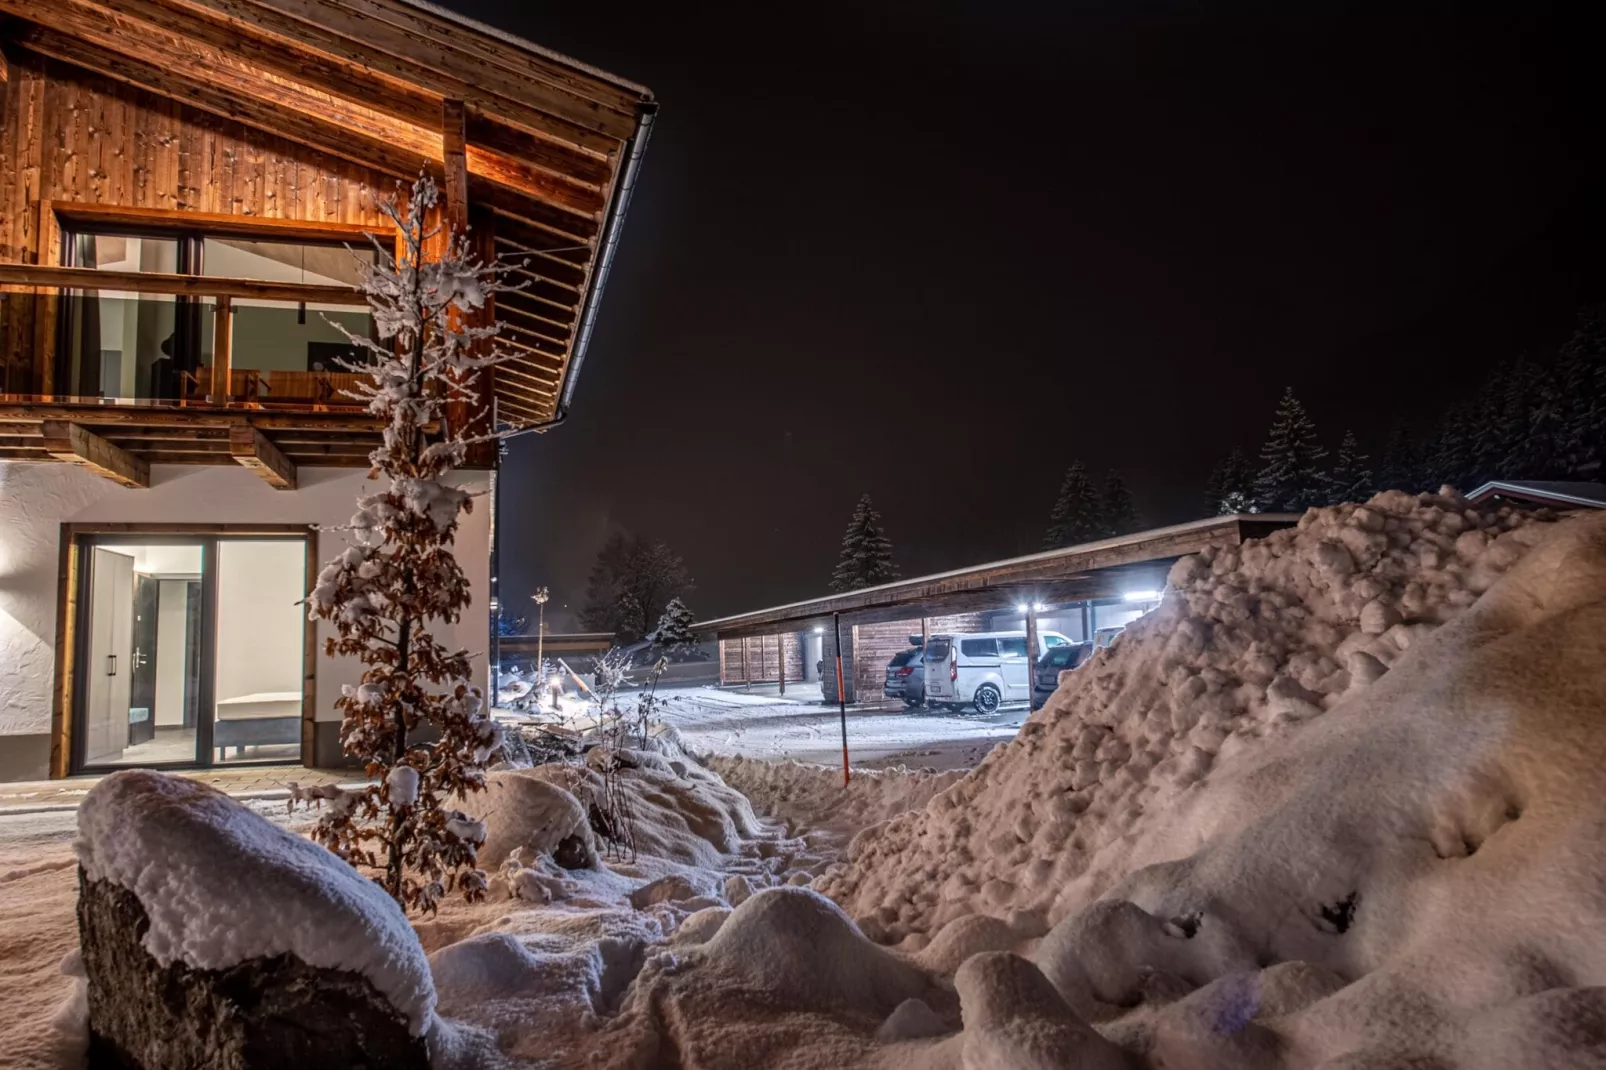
[983, 669]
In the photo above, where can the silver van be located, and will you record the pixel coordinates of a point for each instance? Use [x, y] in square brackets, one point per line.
[983, 669]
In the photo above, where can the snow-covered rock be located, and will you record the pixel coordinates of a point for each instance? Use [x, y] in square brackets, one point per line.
[523, 812]
[257, 1014]
[222, 885]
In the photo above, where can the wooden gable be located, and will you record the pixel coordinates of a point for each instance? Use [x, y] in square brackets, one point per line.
[309, 109]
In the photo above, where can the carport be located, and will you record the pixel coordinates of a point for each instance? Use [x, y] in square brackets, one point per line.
[1076, 590]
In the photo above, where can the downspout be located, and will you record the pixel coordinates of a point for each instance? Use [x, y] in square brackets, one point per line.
[612, 226]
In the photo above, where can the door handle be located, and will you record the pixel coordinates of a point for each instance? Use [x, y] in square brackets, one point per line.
[111, 664]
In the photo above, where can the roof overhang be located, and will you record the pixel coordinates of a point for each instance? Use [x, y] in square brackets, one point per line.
[1108, 568]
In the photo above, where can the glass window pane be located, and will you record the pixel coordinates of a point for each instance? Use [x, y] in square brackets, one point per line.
[123, 344]
[1013, 648]
[261, 634]
[141, 678]
[286, 344]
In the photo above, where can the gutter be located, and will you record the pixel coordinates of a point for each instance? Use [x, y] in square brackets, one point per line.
[612, 227]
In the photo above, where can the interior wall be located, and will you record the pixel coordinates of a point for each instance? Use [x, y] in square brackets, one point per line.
[172, 634]
[260, 629]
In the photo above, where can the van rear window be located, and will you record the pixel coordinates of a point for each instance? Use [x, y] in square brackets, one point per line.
[979, 648]
[938, 650]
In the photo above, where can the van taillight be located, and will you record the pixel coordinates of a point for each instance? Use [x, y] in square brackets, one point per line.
[953, 670]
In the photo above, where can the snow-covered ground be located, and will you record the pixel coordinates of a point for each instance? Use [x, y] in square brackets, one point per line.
[1340, 804]
[801, 727]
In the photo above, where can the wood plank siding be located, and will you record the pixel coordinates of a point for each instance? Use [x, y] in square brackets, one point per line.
[298, 117]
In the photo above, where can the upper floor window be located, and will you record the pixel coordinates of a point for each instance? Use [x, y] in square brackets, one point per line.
[123, 345]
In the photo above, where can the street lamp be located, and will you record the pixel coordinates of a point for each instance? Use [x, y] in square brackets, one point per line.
[541, 595]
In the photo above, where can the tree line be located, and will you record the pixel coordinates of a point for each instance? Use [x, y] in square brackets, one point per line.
[1084, 513]
[1528, 419]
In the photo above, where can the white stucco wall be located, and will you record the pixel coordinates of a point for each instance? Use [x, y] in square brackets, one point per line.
[35, 499]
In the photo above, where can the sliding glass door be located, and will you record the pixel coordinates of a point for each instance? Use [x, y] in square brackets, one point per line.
[190, 650]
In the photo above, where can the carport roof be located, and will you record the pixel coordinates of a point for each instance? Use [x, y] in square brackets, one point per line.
[1103, 569]
[1544, 492]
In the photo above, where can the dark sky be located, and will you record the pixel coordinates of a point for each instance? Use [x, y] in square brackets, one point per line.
[938, 251]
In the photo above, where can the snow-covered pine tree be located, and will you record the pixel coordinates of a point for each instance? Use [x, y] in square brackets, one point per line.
[1231, 487]
[674, 631]
[1291, 478]
[398, 574]
[1399, 468]
[1351, 475]
[1488, 446]
[1533, 423]
[866, 552]
[1452, 455]
[1075, 517]
[1118, 514]
[1581, 369]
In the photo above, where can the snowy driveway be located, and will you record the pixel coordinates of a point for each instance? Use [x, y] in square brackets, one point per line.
[772, 727]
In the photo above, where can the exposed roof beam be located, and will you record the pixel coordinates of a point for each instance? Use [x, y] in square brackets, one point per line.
[252, 449]
[73, 443]
[345, 35]
[406, 31]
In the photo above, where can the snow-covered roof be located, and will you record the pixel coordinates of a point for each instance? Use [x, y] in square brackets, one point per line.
[1544, 492]
[991, 579]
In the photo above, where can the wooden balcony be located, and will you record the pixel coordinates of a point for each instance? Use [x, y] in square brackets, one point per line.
[271, 421]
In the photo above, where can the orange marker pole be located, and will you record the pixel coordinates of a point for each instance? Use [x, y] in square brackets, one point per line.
[841, 694]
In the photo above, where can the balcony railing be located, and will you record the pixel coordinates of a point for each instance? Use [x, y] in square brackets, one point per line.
[142, 338]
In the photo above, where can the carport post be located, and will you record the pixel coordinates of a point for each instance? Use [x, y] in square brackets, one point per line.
[1031, 658]
[780, 658]
[841, 694]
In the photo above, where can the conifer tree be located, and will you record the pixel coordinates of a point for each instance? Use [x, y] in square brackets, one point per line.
[1581, 371]
[1118, 514]
[674, 631]
[1075, 517]
[1451, 459]
[1351, 475]
[1291, 478]
[1489, 446]
[398, 574]
[866, 552]
[1231, 487]
[1399, 468]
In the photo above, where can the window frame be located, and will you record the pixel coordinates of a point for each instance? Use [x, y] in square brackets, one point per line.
[190, 230]
[72, 635]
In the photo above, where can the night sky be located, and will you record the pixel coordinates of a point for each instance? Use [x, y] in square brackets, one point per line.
[938, 251]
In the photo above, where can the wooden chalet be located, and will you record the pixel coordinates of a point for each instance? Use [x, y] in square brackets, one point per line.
[271, 127]
[187, 191]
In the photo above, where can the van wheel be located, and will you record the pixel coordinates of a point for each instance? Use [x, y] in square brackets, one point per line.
[987, 698]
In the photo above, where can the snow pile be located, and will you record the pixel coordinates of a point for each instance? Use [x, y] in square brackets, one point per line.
[812, 797]
[222, 885]
[1249, 642]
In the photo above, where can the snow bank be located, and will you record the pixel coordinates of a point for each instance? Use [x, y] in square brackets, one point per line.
[1248, 643]
[221, 885]
[812, 796]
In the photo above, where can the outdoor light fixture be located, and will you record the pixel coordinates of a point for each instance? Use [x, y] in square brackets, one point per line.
[1039, 607]
[1036, 607]
[1142, 596]
[819, 631]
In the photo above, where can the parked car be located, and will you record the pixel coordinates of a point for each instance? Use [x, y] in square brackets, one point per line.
[983, 669]
[1055, 661]
[906, 677]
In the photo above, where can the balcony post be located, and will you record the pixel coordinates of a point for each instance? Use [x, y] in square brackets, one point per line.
[222, 351]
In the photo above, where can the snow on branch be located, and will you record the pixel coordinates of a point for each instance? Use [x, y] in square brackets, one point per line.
[398, 576]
